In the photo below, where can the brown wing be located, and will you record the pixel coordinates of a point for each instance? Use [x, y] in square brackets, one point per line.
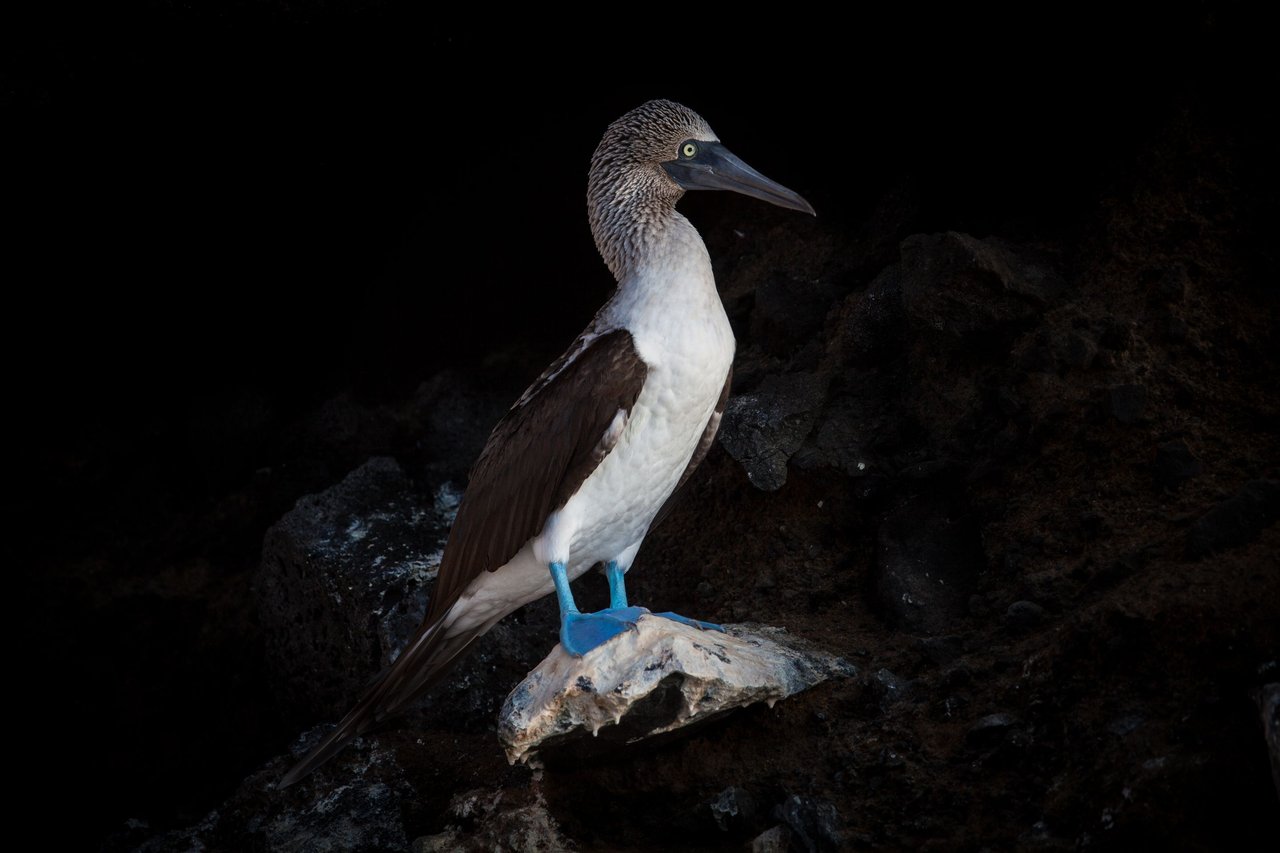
[538, 456]
[700, 452]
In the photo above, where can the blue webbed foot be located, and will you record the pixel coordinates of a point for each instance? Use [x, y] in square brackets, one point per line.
[696, 623]
[582, 632]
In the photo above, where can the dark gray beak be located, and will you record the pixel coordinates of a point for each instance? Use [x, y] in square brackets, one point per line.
[715, 167]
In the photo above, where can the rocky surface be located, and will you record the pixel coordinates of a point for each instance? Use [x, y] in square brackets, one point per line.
[485, 821]
[365, 812]
[660, 678]
[1269, 710]
[1028, 348]
[763, 429]
[344, 582]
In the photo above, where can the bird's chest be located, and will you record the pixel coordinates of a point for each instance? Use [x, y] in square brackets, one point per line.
[679, 395]
[688, 358]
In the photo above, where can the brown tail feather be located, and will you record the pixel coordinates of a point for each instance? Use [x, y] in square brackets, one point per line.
[426, 660]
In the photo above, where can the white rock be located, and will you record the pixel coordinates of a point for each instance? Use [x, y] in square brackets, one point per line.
[663, 676]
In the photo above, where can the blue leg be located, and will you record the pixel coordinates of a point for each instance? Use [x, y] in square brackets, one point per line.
[617, 586]
[618, 599]
[582, 632]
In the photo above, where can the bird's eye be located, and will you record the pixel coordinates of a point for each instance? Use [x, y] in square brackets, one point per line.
[689, 150]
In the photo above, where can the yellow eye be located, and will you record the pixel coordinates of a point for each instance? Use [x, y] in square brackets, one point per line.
[689, 150]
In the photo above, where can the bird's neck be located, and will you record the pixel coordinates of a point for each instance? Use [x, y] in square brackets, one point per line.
[646, 240]
[633, 215]
[667, 297]
[657, 256]
[670, 258]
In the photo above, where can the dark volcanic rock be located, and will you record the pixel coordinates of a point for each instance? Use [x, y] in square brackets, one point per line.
[816, 824]
[925, 565]
[764, 428]
[513, 821]
[1126, 724]
[870, 322]
[1175, 464]
[991, 730]
[773, 840]
[788, 311]
[1128, 402]
[343, 582]
[1237, 520]
[1022, 616]
[363, 815]
[839, 440]
[1269, 708]
[891, 688]
[732, 808]
[1079, 351]
[959, 289]
[454, 417]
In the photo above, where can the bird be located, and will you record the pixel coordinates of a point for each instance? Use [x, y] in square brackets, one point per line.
[587, 460]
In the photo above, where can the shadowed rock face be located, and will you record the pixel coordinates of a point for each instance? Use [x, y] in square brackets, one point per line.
[344, 582]
[927, 562]
[1028, 345]
[764, 429]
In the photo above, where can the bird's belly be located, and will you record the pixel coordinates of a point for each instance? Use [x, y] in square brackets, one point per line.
[614, 507]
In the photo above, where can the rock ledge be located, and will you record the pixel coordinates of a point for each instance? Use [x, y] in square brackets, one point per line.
[661, 677]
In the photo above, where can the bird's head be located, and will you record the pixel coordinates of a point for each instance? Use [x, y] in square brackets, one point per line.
[664, 148]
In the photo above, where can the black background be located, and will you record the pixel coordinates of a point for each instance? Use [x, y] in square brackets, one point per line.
[217, 194]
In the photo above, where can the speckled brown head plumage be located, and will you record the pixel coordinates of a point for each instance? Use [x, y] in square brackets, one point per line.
[628, 192]
[644, 164]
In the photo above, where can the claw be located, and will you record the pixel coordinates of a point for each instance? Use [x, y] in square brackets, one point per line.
[695, 623]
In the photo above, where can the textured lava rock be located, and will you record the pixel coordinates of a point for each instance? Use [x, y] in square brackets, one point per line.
[1175, 464]
[343, 583]
[788, 311]
[764, 428]
[958, 289]
[733, 807]
[1269, 709]
[497, 820]
[815, 824]
[925, 565]
[362, 815]
[870, 321]
[1077, 350]
[452, 417]
[1128, 402]
[991, 730]
[1023, 616]
[663, 676]
[1237, 520]
[776, 839]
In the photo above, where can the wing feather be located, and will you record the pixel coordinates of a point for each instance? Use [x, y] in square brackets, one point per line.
[538, 456]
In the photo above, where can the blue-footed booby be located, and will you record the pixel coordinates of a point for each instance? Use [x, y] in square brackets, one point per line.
[587, 460]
